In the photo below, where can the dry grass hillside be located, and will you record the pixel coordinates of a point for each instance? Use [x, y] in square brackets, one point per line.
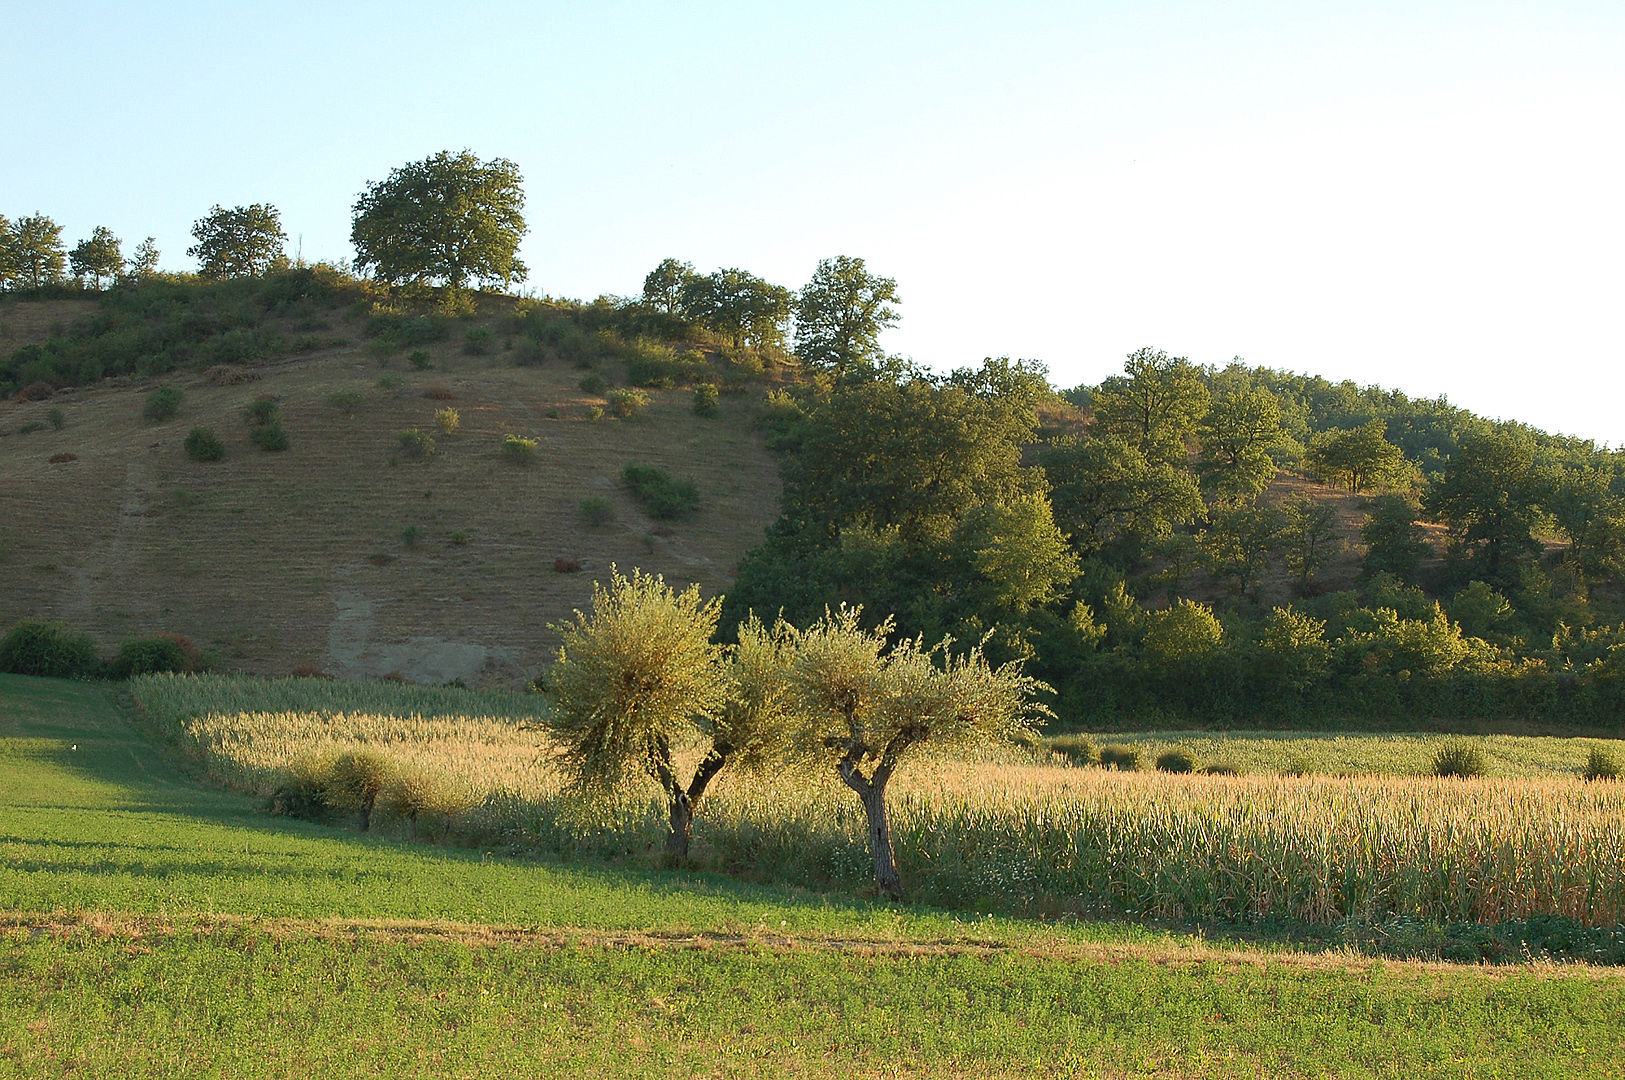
[301, 559]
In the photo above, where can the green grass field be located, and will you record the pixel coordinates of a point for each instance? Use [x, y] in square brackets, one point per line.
[154, 926]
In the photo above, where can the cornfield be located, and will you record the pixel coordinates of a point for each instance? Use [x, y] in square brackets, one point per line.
[1012, 835]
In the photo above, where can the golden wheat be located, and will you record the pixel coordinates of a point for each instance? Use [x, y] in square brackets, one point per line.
[1008, 832]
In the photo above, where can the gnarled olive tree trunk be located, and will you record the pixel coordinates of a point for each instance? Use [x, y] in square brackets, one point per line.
[684, 803]
[871, 791]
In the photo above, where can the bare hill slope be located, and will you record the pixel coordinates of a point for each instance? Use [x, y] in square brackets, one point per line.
[304, 558]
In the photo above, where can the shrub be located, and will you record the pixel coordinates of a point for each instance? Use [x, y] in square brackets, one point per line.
[593, 384]
[162, 404]
[306, 343]
[270, 438]
[1457, 758]
[459, 538]
[345, 401]
[1601, 765]
[203, 444]
[58, 459]
[477, 342]
[705, 399]
[1222, 768]
[419, 359]
[1176, 760]
[301, 789]
[595, 412]
[660, 495]
[165, 652]
[447, 420]
[1080, 750]
[38, 391]
[439, 393]
[414, 795]
[649, 363]
[561, 565]
[262, 411]
[528, 354]
[1120, 756]
[31, 427]
[49, 649]
[56, 419]
[597, 511]
[389, 382]
[627, 402]
[416, 444]
[411, 535]
[518, 449]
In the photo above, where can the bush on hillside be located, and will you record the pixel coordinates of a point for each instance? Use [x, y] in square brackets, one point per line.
[447, 420]
[477, 341]
[56, 418]
[262, 411]
[203, 444]
[660, 495]
[705, 399]
[597, 511]
[48, 649]
[271, 438]
[592, 384]
[162, 404]
[161, 653]
[627, 402]
[518, 449]
[345, 401]
[416, 444]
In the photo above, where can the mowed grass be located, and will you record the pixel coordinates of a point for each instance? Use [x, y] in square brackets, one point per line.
[156, 927]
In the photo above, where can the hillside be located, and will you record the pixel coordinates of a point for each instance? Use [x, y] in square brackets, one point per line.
[299, 559]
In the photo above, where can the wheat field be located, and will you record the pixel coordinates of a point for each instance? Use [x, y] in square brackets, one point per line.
[1015, 834]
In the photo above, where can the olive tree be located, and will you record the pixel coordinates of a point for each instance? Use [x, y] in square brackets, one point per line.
[865, 707]
[640, 680]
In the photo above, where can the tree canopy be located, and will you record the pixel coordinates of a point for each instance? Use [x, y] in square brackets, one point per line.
[245, 241]
[840, 314]
[31, 255]
[97, 257]
[445, 219]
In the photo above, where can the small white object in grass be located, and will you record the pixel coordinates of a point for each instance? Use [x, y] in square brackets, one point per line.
[75, 746]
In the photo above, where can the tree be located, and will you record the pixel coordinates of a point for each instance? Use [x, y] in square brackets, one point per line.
[1307, 537]
[1393, 545]
[35, 254]
[1582, 501]
[1108, 492]
[640, 679]
[1355, 458]
[866, 708]
[1155, 404]
[144, 260]
[1182, 633]
[447, 218]
[663, 286]
[1238, 435]
[909, 495]
[1490, 497]
[1239, 541]
[97, 257]
[738, 305]
[8, 269]
[245, 241]
[840, 314]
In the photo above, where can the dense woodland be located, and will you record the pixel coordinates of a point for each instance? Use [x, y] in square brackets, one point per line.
[1129, 540]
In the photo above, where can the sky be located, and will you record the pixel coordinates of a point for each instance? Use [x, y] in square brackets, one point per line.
[1421, 195]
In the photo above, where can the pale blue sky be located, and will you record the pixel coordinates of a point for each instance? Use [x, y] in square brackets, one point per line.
[1423, 195]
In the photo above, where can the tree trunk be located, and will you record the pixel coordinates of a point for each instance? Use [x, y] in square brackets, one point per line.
[872, 791]
[887, 881]
[684, 804]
